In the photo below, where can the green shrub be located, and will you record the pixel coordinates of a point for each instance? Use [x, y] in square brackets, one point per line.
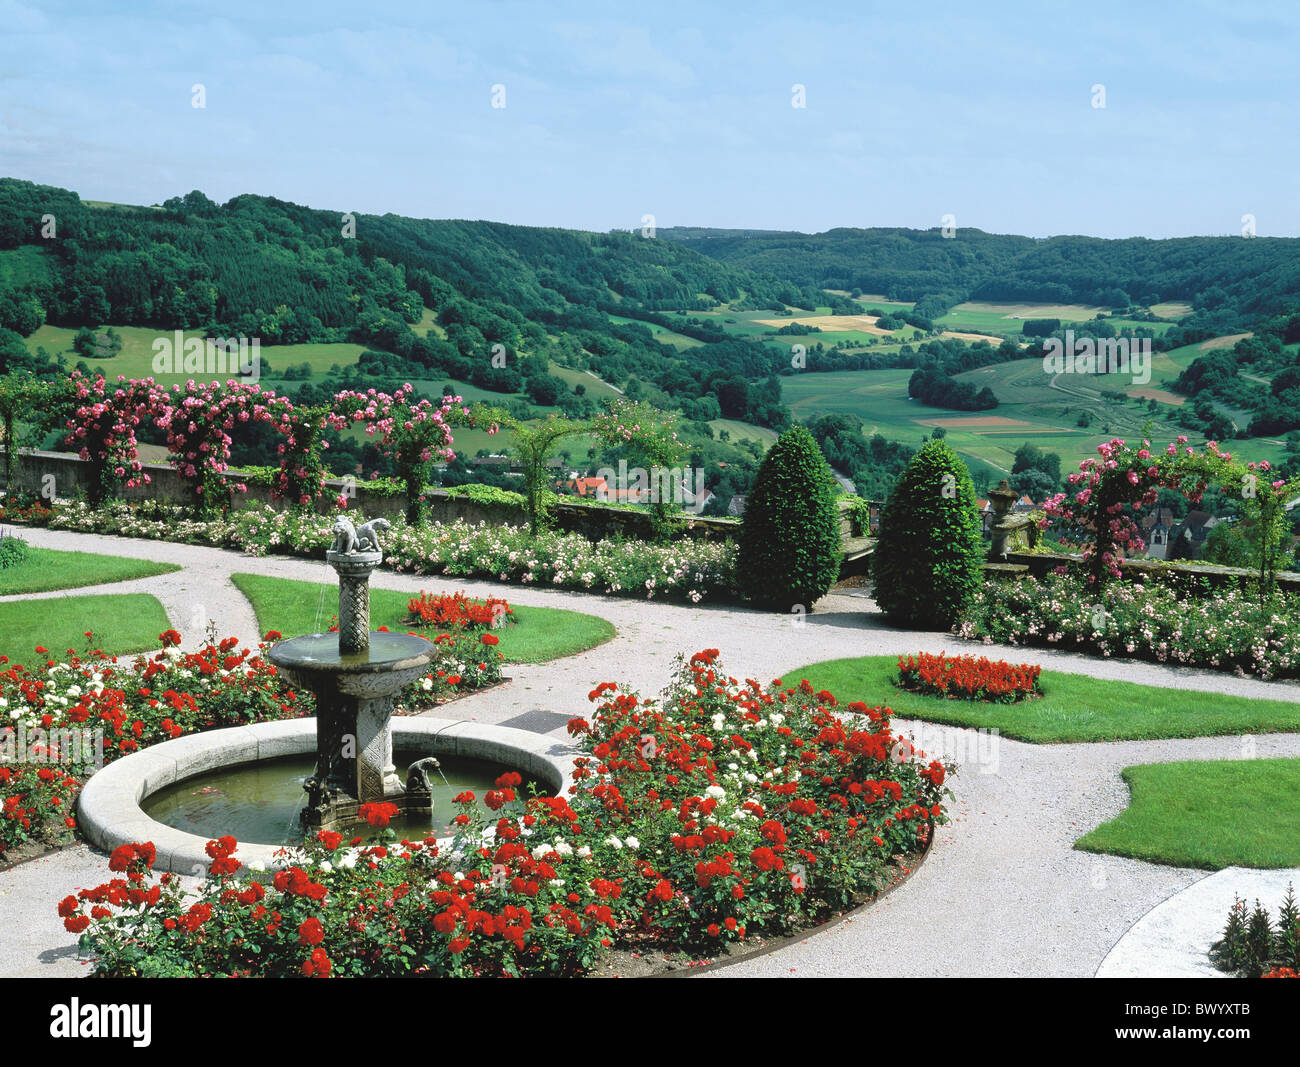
[790, 537]
[928, 564]
[13, 552]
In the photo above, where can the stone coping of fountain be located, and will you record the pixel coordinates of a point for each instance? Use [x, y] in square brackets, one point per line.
[109, 811]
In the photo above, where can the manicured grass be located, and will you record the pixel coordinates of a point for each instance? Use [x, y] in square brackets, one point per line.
[46, 569]
[128, 622]
[1073, 707]
[1211, 814]
[537, 634]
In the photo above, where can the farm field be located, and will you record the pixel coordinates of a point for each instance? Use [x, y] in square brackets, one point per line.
[1031, 410]
[1007, 320]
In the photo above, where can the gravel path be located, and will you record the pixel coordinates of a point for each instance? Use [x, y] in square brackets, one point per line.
[1002, 893]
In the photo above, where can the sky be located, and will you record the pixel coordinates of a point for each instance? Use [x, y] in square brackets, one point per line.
[683, 112]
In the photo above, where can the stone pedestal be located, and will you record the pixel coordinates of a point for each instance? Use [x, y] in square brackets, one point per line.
[354, 569]
[1001, 499]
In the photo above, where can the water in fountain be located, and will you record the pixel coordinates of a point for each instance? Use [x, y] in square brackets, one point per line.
[261, 802]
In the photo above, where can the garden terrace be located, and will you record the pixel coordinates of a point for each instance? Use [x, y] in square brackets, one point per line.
[1079, 903]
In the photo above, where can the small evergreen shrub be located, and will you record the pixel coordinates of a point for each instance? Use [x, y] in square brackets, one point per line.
[790, 536]
[1251, 946]
[928, 563]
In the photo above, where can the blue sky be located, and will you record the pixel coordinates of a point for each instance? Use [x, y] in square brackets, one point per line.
[683, 111]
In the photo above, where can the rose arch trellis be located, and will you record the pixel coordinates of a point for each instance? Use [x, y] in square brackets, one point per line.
[198, 419]
[1112, 491]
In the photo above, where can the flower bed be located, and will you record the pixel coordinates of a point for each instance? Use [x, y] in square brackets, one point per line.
[1253, 946]
[728, 811]
[456, 609]
[968, 678]
[1150, 620]
[60, 716]
[688, 570]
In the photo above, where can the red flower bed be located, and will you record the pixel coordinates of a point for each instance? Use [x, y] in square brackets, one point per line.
[728, 811]
[59, 717]
[457, 610]
[968, 678]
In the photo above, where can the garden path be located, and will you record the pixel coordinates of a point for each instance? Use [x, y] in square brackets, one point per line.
[1002, 893]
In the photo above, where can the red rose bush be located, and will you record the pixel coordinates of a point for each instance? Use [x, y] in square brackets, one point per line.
[62, 708]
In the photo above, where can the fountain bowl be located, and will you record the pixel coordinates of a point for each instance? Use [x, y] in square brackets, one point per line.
[109, 810]
[314, 662]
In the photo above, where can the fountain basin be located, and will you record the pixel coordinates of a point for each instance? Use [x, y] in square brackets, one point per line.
[109, 811]
[262, 802]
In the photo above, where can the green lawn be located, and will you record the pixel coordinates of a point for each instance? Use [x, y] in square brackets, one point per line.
[537, 635]
[1211, 814]
[128, 622]
[1074, 707]
[46, 569]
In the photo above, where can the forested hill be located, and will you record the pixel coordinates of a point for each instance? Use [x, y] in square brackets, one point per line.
[1227, 276]
[262, 267]
[192, 261]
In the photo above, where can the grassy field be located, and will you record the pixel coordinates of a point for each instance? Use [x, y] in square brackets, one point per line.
[537, 634]
[597, 389]
[661, 333]
[127, 622]
[1007, 320]
[135, 360]
[23, 266]
[742, 431]
[46, 569]
[1210, 815]
[1074, 707]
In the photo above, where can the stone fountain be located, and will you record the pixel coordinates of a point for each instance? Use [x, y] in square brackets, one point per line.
[355, 675]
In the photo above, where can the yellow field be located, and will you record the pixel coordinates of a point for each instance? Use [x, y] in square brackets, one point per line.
[990, 338]
[1161, 395]
[833, 323]
[1223, 342]
[1171, 309]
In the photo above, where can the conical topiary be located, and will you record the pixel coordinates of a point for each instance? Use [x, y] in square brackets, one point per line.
[928, 562]
[790, 537]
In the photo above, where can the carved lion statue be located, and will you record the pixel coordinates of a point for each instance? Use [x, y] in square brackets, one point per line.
[368, 534]
[345, 536]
